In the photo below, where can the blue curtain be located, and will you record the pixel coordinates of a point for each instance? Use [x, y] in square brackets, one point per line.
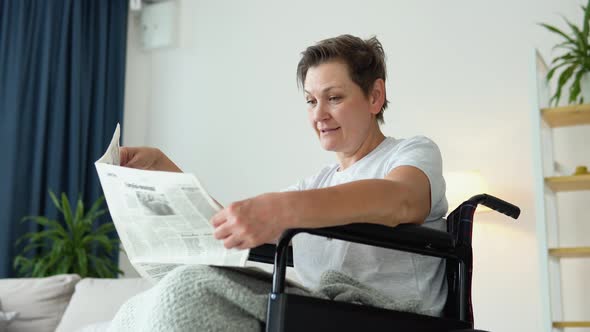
[62, 73]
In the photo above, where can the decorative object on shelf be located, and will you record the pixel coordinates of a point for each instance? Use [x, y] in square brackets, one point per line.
[575, 62]
[581, 170]
[75, 248]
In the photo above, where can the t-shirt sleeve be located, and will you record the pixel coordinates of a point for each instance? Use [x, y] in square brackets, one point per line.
[302, 184]
[422, 153]
[312, 182]
[294, 187]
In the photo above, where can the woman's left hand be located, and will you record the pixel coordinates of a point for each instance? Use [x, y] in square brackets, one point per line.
[254, 221]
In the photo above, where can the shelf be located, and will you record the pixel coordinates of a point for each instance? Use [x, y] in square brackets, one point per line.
[570, 252]
[569, 183]
[571, 324]
[571, 115]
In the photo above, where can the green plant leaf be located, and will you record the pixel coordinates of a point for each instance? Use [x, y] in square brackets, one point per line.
[557, 31]
[576, 58]
[113, 269]
[60, 248]
[100, 269]
[571, 49]
[92, 270]
[81, 228]
[22, 238]
[556, 97]
[575, 88]
[563, 78]
[79, 210]
[94, 208]
[52, 259]
[65, 265]
[554, 69]
[571, 45]
[22, 265]
[44, 221]
[33, 246]
[566, 74]
[50, 234]
[82, 261]
[115, 242]
[586, 25]
[105, 229]
[37, 267]
[564, 58]
[580, 40]
[67, 212]
[94, 215]
[102, 240]
[104, 267]
[55, 201]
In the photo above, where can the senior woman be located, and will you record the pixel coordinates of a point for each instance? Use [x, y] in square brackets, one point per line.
[376, 179]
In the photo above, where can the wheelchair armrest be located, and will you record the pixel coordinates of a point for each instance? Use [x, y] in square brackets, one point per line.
[414, 238]
[266, 254]
[406, 237]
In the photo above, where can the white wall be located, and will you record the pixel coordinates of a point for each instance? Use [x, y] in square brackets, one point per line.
[224, 104]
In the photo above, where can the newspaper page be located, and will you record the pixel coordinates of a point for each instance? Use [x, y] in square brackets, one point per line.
[162, 218]
[112, 156]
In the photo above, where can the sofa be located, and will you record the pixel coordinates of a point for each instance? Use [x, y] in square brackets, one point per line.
[62, 303]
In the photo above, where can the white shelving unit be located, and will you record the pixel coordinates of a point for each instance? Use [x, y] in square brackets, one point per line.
[548, 182]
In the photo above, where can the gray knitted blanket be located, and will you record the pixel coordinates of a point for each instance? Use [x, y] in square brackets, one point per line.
[204, 298]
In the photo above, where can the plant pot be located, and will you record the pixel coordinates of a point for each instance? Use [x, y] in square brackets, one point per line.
[585, 87]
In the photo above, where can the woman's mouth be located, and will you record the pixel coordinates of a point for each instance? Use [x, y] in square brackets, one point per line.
[328, 130]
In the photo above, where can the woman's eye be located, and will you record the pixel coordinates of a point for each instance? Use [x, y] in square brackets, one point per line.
[335, 98]
[310, 102]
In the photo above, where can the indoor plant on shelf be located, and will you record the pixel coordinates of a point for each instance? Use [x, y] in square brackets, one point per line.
[574, 64]
[69, 247]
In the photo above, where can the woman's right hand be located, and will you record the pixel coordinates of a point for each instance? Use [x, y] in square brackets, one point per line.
[147, 158]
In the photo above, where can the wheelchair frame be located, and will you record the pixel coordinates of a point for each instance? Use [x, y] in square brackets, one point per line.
[289, 312]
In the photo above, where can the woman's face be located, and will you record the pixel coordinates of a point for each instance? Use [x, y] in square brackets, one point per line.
[338, 110]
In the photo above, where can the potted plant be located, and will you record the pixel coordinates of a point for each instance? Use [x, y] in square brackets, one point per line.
[75, 248]
[574, 64]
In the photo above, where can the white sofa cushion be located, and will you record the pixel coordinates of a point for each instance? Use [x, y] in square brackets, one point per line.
[98, 300]
[39, 302]
[6, 318]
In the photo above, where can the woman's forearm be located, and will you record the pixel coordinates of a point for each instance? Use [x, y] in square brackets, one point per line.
[376, 201]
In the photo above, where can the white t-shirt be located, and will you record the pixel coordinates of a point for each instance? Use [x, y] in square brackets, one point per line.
[400, 275]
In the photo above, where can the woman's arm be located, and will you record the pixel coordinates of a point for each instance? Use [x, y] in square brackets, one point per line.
[147, 158]
[403, 196]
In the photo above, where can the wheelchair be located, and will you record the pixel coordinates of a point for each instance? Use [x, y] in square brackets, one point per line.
[290, 312]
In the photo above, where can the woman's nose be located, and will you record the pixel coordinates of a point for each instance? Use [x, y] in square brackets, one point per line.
[320, 112]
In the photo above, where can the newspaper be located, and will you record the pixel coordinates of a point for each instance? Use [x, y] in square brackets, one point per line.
[162, 218]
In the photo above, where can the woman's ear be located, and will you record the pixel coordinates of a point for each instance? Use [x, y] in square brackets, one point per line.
[377, 97]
